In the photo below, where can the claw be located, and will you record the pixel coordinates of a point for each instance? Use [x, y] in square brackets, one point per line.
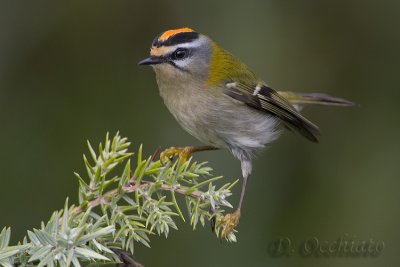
[184, 155]
[229, 222]
[169, 153]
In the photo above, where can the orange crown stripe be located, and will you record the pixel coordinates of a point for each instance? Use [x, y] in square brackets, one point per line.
[166, 35]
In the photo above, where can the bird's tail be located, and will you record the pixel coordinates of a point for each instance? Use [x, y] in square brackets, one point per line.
[298, 100]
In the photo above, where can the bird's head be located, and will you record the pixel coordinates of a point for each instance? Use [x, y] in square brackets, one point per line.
[180, 53]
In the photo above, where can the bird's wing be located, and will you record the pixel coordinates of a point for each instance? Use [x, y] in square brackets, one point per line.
[266, 99]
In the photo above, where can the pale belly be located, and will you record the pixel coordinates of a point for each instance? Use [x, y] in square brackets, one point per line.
[221, 121]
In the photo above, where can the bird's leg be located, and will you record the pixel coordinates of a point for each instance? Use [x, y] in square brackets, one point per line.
[183, 152]
[231, 220]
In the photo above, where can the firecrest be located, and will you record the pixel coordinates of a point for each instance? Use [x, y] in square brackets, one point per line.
[220, 101]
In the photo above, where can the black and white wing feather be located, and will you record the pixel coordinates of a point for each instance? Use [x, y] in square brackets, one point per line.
[266, 99]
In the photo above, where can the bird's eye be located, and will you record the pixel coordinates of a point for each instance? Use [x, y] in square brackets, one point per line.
[180, 53]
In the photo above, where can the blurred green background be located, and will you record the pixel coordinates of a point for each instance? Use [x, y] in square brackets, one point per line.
[68, 72]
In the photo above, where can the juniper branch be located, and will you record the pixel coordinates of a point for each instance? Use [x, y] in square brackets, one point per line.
[131, 188]
[115, 213]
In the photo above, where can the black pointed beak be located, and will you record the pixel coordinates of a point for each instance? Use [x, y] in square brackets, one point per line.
[151, 61]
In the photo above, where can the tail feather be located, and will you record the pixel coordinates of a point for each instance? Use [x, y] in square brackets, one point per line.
[300, 99]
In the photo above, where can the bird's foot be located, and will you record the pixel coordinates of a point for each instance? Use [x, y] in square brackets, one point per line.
[229, 222]
[169, 153]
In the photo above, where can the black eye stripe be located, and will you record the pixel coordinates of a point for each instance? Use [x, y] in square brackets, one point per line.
[180, 53]
[178, 67]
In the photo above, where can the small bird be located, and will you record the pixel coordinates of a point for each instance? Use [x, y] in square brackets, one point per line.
[220, 101]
